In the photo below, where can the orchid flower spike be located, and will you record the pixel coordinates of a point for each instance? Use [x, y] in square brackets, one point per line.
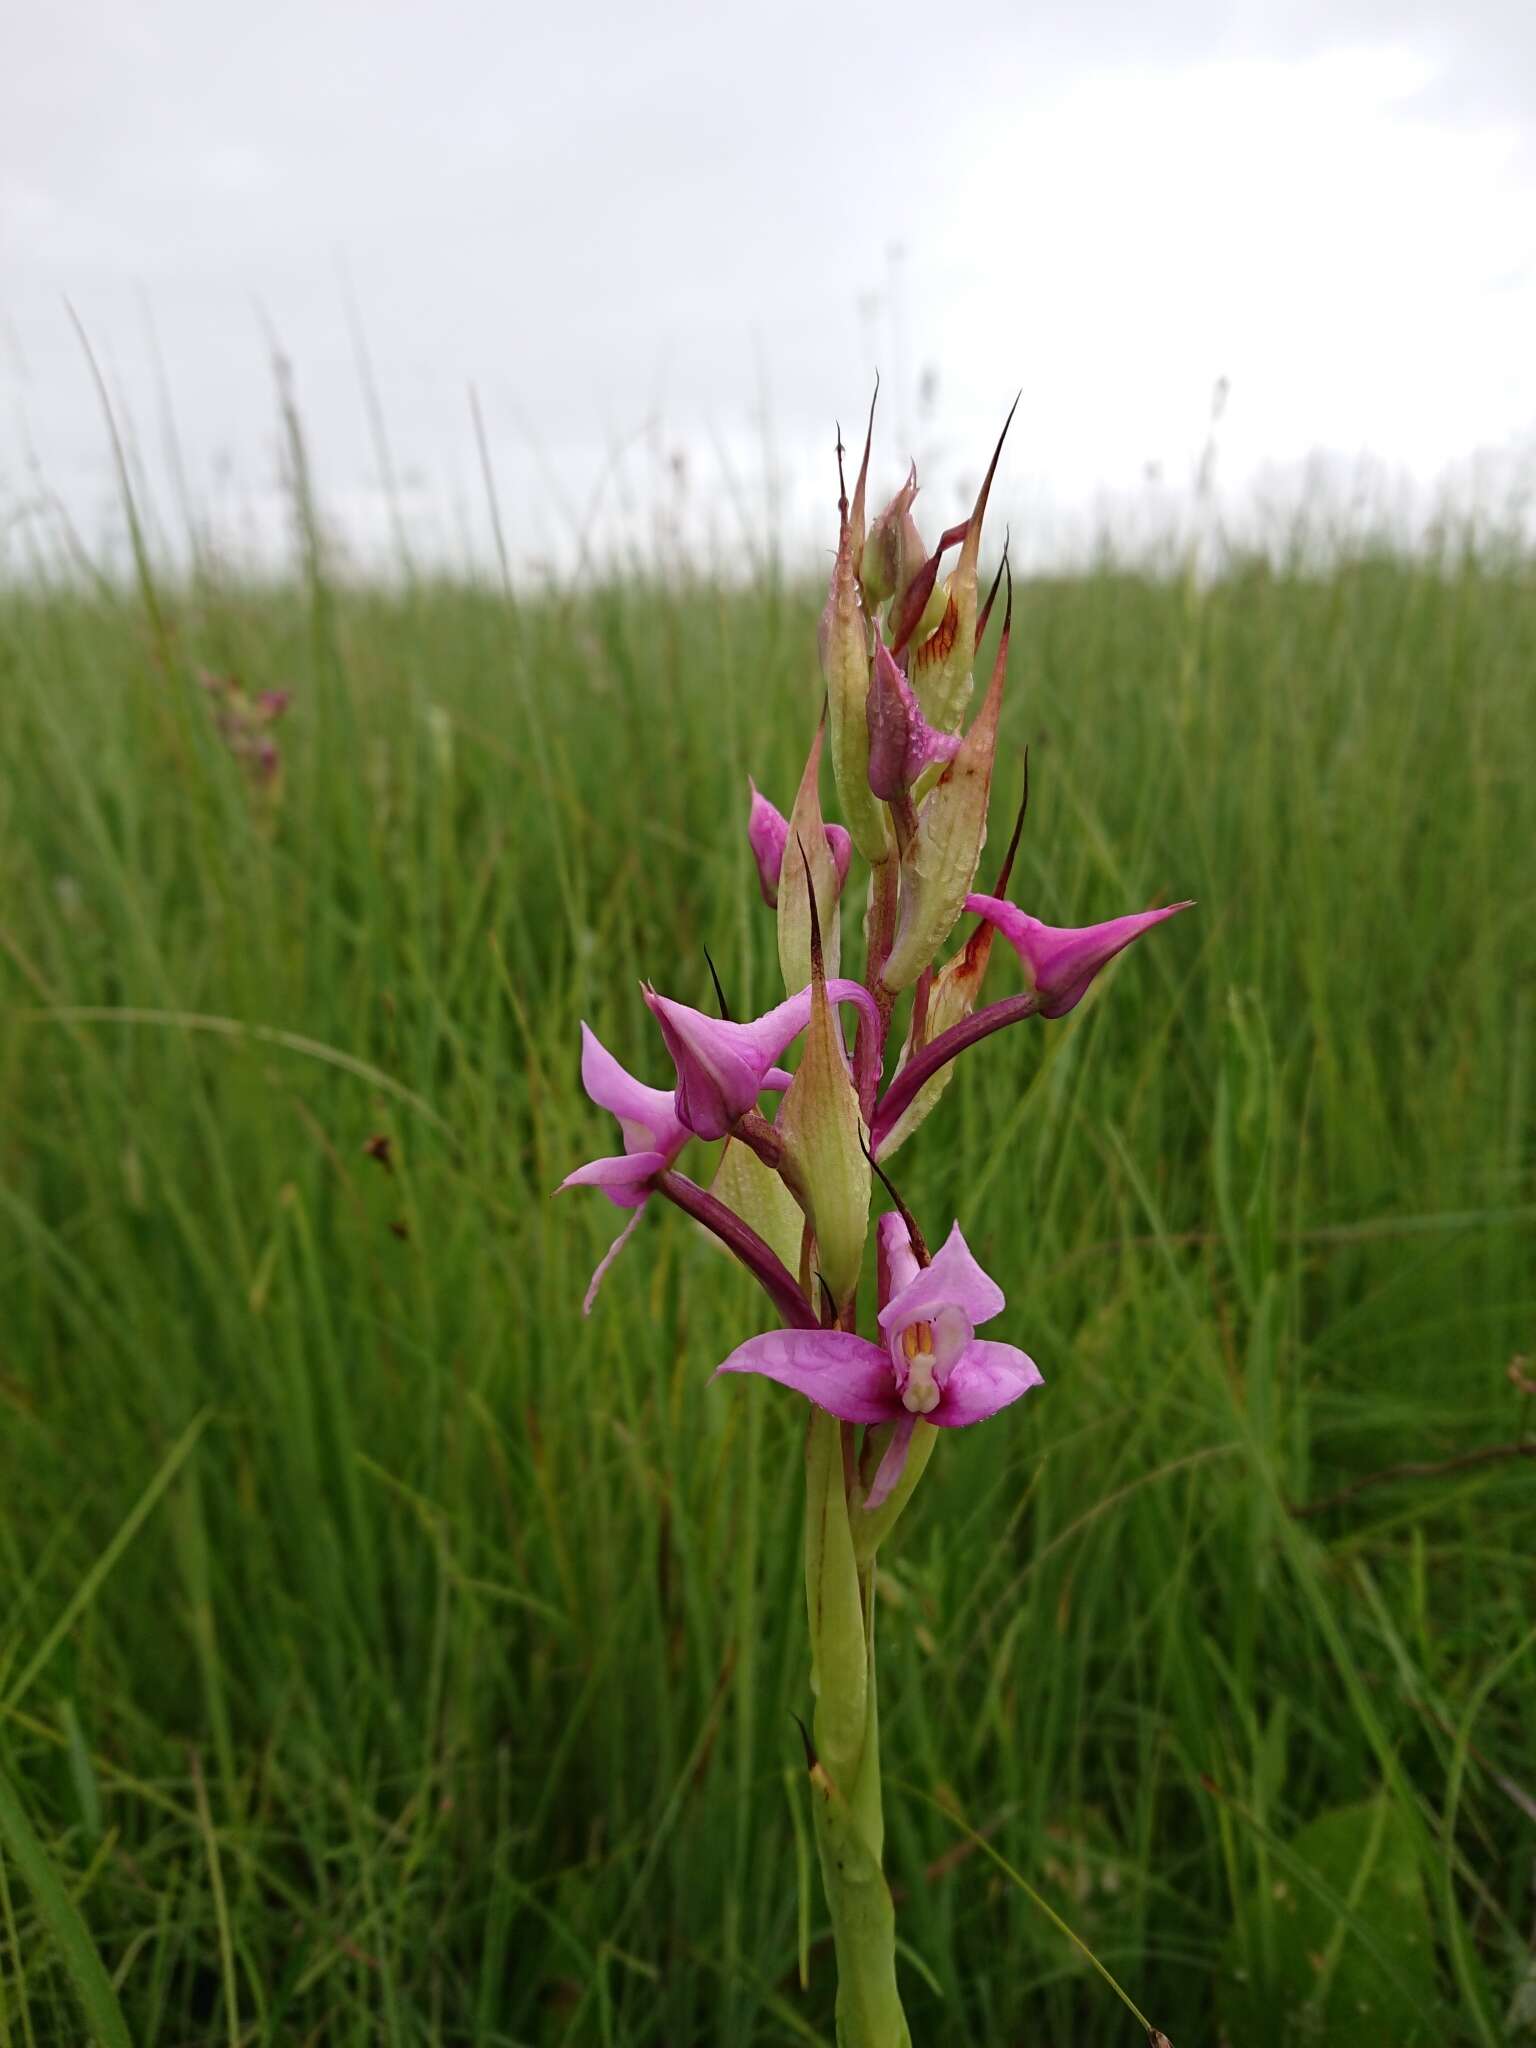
[653, 1136]
[1060, 960]
[723, 1067]
[931, 1367]
[768, 835]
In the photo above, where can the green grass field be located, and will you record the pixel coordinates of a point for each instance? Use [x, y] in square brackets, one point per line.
[388, 1655]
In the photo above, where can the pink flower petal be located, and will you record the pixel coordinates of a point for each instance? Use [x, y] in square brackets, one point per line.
[987, 1378]
[767, 835]
[625, 1179]
[896, 1262]
[607, 1260]
[722, 1066]
[1062, 960]
[845, 1374]
[841, 847]
[901, 741]
[718, 1071]
[952, 1280]
[645, 1114]
[893, 1464]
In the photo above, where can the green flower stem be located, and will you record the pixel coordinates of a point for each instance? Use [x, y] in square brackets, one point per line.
[845, 1765]
[869, 2013]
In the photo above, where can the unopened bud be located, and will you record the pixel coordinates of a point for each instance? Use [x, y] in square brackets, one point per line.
[767, 834]
[894, 554]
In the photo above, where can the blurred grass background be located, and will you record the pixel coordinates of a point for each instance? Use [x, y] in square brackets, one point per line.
[388, 1655]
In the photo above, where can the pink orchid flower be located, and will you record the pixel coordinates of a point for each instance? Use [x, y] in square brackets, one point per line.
[652, 1135]
[932, 1366]
[768, 835]
[1060, 960]
[722, 1067]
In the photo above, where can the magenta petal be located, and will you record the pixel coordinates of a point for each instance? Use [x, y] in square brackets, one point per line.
[776, 1028]
[645, 1114]
[722, 1066]
[846, 1375]
[841, 848]
[1061, 960]
[719, 1066]
[952, 1280]
[624, 1179]
[767, 835]
[987, 1377]
[607, 1260]
[901, 741]
[893, 1464]
[895, 1261]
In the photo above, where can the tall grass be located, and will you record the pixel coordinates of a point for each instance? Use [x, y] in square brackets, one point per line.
[386, 1654]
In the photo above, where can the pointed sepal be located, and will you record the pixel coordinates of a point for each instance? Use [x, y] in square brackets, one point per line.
[844, 638]
[809, 866]
[940, 668]
[894, 558]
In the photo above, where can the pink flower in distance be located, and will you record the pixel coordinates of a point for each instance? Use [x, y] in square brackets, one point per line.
[722, 1067]
[768, 835]
[1061, 960]
[931, 1363]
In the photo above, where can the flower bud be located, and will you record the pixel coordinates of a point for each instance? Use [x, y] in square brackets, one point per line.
[767, 835]
[902, 744]
[894, 555]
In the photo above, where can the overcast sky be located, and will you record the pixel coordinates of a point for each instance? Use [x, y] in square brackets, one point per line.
[668, 244]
